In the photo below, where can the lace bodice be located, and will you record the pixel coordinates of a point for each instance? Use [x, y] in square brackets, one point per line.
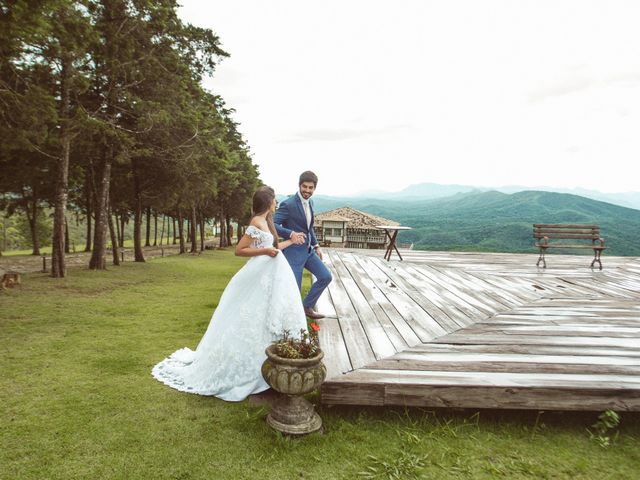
[261, 239]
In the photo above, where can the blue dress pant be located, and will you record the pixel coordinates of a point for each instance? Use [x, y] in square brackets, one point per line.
[323, 276]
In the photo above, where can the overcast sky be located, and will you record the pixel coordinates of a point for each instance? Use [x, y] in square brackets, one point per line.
[379, 95]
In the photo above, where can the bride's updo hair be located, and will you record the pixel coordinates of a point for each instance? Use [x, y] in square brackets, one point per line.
[262, 201]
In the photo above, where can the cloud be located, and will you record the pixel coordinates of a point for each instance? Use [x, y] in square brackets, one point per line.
[574, 85]
[342, 134]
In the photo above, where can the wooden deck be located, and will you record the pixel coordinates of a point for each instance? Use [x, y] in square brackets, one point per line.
[481, 330]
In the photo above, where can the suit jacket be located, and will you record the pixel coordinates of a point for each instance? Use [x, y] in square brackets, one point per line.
[290, 218]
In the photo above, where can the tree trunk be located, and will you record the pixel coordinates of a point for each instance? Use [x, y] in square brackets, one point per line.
[155, 228]
[137, 233]
[147, 242]
[188, 230]
[117, 222]
[58, 268]
[137, 218]
[223, 230]
[229, 232]
[192, 224]
[67, 244]
[180, 230]
[201, 225]
[4, 235]
[124, 219]
[174, 230]
[98, 261]
[88, 197]
[162, 230]
[114, 239]
[32, 217]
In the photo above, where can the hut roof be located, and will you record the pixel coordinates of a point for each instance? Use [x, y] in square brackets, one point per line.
[331, 217]
[356, 218]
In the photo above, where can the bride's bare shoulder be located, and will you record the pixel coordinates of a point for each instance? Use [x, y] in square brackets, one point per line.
[260, 224]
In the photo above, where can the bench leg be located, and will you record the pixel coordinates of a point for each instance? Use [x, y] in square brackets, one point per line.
[596, 258]
[541, 259]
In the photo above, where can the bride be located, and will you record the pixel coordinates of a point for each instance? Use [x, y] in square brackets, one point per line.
[260, 301]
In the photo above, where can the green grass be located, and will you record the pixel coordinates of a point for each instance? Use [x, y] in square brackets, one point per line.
[79, 249]
[26, 252]
[78, 400]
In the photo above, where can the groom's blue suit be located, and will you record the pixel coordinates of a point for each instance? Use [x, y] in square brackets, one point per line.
[289, 218]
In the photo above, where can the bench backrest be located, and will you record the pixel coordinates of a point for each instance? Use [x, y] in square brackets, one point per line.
[578, 232]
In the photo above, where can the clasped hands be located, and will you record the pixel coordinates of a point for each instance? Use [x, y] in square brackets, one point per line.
[298, 238]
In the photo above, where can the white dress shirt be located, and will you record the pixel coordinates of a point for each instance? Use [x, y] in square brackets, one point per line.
[307, 209]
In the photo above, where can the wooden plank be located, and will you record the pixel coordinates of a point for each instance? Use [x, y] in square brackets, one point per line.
[525, 349]
[425, 292]
[610, 322]
[425, 324]
[603, 288]
[509, 288]
[341, 393]
[480, 293]
[563, 330]
[336, 357]
[475, 357]
[325, 305]
[479, 283]
[382, 307]
[355, 339]
[446, 316]
[498, 379]
[379, 338]
[630, 343]
[505, 367]
[438, 277]
[434, 396]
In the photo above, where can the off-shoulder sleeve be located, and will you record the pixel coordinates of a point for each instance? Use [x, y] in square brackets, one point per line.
[253, 232]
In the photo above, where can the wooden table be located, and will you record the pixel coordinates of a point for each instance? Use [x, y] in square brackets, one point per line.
[392, 233]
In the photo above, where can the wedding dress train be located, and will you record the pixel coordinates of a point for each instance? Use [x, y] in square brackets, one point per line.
[260, 301]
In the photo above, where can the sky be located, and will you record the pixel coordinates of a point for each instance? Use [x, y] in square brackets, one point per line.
[379, 95]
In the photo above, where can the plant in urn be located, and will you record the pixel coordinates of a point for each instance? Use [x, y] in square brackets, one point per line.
[294, 368]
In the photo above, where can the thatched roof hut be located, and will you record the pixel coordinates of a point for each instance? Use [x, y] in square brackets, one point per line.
[356, 218]
[348, 227]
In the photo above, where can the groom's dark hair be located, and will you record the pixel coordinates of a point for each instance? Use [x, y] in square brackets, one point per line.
[308, 176]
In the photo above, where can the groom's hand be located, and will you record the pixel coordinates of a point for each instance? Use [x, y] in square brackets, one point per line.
[319, 252]
[298, 238]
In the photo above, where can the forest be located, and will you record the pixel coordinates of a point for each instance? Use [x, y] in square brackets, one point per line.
[104, 122]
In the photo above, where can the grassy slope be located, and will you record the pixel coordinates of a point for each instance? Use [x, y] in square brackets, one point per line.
[78, 400]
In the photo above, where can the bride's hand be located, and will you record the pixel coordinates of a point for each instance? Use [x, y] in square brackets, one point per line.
[272, 251]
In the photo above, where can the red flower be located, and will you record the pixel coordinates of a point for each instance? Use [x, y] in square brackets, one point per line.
[315, 326]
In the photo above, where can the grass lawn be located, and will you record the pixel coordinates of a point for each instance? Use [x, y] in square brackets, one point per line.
[78, 400]
[79, 249]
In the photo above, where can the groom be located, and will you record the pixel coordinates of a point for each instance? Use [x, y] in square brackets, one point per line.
[294, 220]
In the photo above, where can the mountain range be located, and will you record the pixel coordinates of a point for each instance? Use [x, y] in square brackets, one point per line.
[424, 191]
[495, 221]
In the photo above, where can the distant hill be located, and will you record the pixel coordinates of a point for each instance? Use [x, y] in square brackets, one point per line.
[496, 221]
[427, 191]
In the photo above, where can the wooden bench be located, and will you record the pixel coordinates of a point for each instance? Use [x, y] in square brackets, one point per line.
[545, 232]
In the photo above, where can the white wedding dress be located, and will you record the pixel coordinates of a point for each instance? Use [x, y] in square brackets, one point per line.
[260, 301]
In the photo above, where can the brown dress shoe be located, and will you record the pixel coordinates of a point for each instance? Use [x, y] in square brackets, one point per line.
[312, 314]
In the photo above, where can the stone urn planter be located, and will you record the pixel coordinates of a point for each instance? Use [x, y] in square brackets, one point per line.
[292, 378]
